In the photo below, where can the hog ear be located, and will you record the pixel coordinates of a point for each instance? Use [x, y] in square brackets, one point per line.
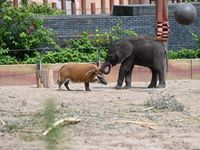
[91, 72]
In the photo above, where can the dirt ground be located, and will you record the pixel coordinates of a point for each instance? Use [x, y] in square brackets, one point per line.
[110, 119]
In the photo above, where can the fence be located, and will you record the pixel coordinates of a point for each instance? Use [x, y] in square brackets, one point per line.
[82, 7]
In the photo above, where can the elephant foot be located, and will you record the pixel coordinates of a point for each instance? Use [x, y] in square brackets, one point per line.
[151, 86]
[127, 87]
[117, 87]
[161, 86]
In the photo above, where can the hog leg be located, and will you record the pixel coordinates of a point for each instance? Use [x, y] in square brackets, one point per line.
[66, 85]
[87, 88]
[60, 82]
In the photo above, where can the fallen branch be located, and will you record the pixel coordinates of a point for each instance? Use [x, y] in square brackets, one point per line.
[149, 108]
[143, 124]
[2, 122]
[57, 123]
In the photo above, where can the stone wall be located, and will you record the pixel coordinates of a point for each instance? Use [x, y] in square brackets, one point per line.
[72, 26]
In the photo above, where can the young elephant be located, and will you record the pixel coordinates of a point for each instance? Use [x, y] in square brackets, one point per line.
[143, 51]
[79, 72]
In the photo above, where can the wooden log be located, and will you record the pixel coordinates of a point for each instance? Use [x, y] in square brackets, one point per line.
[44, 78]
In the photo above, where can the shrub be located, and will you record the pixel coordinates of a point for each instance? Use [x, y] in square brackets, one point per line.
[184, 54]
[20, 29]
[6, 59]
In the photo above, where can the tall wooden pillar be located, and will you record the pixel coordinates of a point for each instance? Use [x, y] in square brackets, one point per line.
[103, 7]
[73, 7]
[15, 3]
[111, 5]
[83, 6]
[121, 2]
[45, 1]
[144, 1]
[93, 8]
[63, 6]
[54, 4]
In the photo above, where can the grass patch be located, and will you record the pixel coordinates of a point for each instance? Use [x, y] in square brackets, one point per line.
[165, 103]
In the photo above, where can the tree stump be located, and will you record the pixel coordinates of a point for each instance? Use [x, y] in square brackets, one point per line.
[44, 78]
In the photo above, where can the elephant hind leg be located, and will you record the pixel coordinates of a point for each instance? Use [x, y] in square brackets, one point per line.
[162, 76]
[153, 83]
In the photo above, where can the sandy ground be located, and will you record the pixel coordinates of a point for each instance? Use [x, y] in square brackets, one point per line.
[110, 119]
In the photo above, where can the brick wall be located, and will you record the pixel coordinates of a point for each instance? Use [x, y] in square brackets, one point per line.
[72, 26]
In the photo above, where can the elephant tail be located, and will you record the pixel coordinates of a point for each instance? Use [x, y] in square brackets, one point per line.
[166, 57]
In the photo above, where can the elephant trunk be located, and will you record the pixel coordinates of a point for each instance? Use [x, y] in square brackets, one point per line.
[106, 68]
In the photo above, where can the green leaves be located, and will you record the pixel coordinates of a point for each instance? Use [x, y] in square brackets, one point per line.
[184, 54]
[20, 29]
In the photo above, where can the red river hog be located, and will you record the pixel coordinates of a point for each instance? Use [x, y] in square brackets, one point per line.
[80, 72]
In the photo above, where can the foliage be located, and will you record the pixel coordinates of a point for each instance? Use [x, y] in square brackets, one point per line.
[43, 9]
[83, 49]
[83, 44]
[20, 29]
[184, 54]
[116, 33]
[197, 38]
[6, 59]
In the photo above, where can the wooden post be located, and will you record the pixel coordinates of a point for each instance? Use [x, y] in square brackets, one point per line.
[73, 7]
[83, 6]
[44, 78]
[103, 6]
[63, 6]
[121, 2]
[111, 5]
[15, 3]
[93, 8]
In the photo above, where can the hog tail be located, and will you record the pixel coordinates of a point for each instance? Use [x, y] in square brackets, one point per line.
[58, 81]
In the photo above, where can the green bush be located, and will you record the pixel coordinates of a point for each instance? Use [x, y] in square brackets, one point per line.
[6, 59]
[184, 54]
[20, 29]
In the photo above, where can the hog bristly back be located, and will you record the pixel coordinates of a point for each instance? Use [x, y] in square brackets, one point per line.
[78, 72]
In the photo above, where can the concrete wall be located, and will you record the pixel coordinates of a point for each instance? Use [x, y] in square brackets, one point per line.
[26, 74]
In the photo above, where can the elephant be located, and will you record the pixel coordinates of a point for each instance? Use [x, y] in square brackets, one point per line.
[139, 50]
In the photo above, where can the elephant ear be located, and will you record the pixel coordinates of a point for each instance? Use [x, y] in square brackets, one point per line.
[124, 50]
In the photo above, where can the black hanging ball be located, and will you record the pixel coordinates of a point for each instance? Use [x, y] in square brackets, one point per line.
[185, 13]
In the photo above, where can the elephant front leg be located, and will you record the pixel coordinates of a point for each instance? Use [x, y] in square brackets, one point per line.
[153, 79]
[120, 79]
[128, 78]
[125, 72]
